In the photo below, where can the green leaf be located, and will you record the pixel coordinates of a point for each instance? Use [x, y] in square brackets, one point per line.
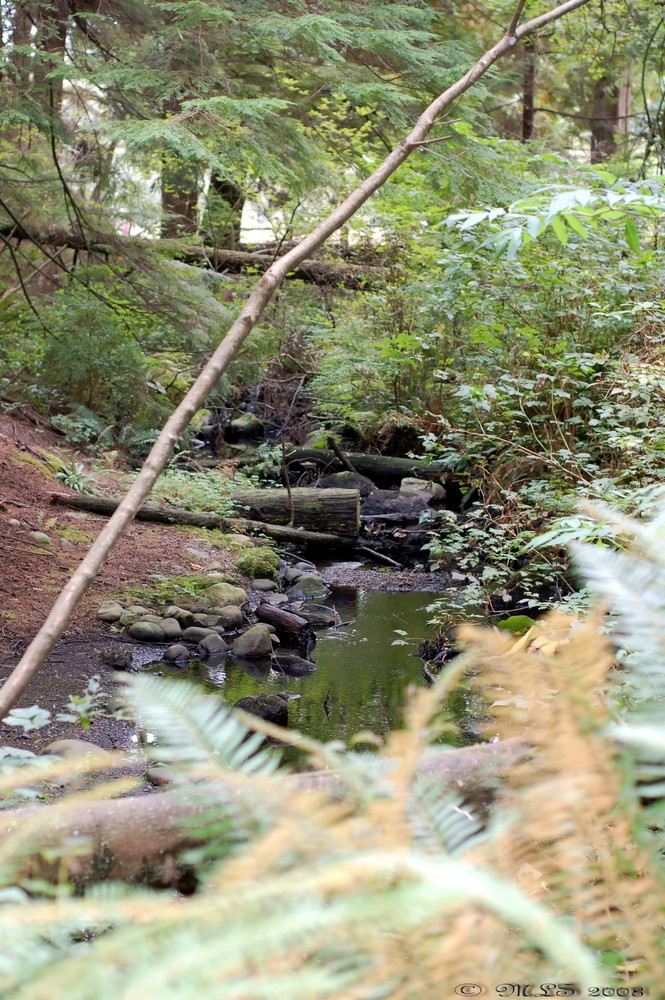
[575, 225]
[632, 235]
[560, 230]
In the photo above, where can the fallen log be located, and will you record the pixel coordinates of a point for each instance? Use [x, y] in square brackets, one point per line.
[290, 628]
[336, 511]
[139, 838]
[173, 515]
[376, 467]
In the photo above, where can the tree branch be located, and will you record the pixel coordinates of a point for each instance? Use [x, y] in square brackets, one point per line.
[78, 584]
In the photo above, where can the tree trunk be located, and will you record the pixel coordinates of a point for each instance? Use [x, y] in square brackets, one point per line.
[173, 515]
[180, 189]
[529, 91]
[52, 19]
[381, 467]
[604, 116]
[336, 511]
[224, 213]
[20, 36]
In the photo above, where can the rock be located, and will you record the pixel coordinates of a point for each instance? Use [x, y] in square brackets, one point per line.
[212, 644]
[146, 632]
[155, 619]
[171, 628]
[109, 611]
[127, 618]
[393, 502]
[159, 775]
[196, 633]
[348, 481]
[292, 574]
[14, 521]
[175, 612]
[138, 609]
[76, 748]
[264, 585]
[271, 707]
[253, 643]
[226, 593]
[278, 600]
[293, 665]
[215, 567]
[318, 615]
[207, 621]
[310, 585]
[184, 618]
[40, 537]
[244, 428]
[306, 567]
[229, 617]
[239, 541]
[116, 656]
[428, 491]
[177, 652]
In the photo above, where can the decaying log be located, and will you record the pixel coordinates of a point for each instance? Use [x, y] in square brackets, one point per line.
[138, 838]
[378, 467]
[336, 511]
[173, 515]
[290, 628]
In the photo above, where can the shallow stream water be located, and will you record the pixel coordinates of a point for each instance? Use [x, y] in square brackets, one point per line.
[364, 667]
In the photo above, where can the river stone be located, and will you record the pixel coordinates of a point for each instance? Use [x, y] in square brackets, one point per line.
[177, 652]
[229, 617]
[40, 537]
[306, 567]
[293, 665]
[159, 775]
[264, 585]
[318, 615]
[109, 611]
[75, 748]
[270, 707]
[255, 642]
[155, 619]
[212, 644]
[116, 656]
[239, 541]
[292, 574]
[277, 600]
[138, 609]
[246, 427]
[348, 481]
[195, 633]
[428, 491]
[174, 611]
[310, 585]
[226, 593]
[171, 629]
[146, 632]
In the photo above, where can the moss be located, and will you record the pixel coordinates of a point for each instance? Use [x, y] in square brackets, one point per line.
[258, 562]
[25, 458]
[72, 534]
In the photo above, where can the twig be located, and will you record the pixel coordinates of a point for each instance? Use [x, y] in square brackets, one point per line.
[378, 556]
[344, 459]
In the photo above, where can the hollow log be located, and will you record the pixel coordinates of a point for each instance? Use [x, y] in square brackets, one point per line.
[138, 838]
[378, 467]
[173, 515]
[336, 511]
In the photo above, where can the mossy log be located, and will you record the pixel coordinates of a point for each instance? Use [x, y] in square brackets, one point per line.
[173, 515]
[380, 468]
[336, 511]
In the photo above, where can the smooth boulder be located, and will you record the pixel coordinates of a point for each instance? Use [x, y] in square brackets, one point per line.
[226, 593]
[110, 611]
[254, 643]
[293, 665]
[171, 629]
[196, 633]
[177, 652]
[212, 644]
[270, 707]
[229, 617]
[146, 632]
[310, 585]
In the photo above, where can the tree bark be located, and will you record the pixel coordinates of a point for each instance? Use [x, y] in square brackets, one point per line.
[604, 117]
[336, 511]
[383, 467]
[290, 627]
[249, 316]
[224, 213]
[529, 91]
[199, 519]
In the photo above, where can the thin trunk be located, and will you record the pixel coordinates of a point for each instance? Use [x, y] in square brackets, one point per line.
[224, 212]
[604, 116]
[256, 304]
[529, 91]
[180, 190]
[20, 38]
[52, 19]
[624, 105]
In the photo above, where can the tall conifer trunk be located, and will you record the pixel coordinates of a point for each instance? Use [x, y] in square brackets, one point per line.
[604, 119]
[529, 91]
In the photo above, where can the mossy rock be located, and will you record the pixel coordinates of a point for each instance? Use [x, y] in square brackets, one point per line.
[262, 562]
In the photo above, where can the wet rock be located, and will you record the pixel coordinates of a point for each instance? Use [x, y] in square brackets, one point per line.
[177, 652]
[212, 644]
[226, 593]
[423, 488]
[245, 428]
[292, 574]
[195, 633]
[293, 665]
[109, 611]
[171, 628]
[146, 632]
[310, 585]
[254, 643]
[40, 537]
[306, 567]
[116, 656]
[207, 621]
[229, 617]
[271, 707]
[316, 614]
[277, 600]
[348, 481]
[264, 585]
